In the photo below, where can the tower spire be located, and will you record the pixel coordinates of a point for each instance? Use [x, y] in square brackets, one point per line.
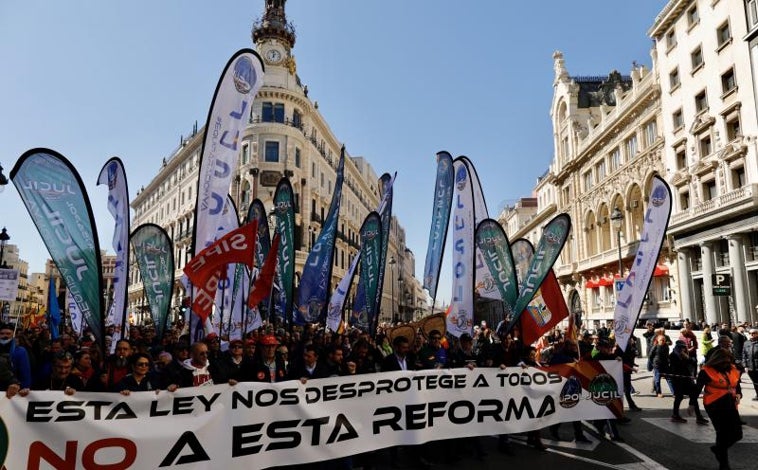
[273, 24]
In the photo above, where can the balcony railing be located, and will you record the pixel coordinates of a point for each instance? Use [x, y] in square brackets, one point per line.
[717, 205]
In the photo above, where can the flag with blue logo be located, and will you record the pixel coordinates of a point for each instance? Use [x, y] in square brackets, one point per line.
[443, 200]
[315, 281]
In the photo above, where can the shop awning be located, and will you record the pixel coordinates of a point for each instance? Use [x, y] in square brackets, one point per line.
[605, 281]
[661, 270]
[590, 284]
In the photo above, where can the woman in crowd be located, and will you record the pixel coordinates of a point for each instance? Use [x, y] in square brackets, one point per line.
[140, 379]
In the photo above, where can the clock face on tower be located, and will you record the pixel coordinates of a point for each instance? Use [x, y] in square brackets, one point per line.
[273, 56]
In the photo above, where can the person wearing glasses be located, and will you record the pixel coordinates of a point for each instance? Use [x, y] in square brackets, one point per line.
[195, 371]
[433, 355]
[141, 378]
[233, 366]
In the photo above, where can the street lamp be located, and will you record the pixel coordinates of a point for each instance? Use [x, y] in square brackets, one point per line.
[4, 237]
[617, 217]
[392, 264]
[3, 180]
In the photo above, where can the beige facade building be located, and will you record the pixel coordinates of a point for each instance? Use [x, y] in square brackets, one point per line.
[607, 149]
[691, 120]
[286, 136]
[705, 52]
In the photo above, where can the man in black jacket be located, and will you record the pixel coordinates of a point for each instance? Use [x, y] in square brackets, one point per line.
[750, 359]
[400, 359]
[310, 367]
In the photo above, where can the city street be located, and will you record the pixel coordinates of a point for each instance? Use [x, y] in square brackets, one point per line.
[652, 441]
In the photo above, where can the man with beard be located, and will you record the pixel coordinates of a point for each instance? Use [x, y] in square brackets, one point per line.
[118, 364]
[16, 356]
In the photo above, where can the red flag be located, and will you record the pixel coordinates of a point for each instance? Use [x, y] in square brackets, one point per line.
[262, 286]
[205, 295]
[545, 311]
[236, 246]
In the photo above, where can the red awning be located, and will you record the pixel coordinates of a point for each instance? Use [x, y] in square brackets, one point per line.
[590, 284]
[661, 270]
[605, 281]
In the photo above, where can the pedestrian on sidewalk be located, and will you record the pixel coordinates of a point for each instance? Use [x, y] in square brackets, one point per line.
[721, 380]
[750, 359]
[682, 372]
[660, 354]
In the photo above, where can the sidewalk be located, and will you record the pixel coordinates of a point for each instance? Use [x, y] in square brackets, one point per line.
[643, 383]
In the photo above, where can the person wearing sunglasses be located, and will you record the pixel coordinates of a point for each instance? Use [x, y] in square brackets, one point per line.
[195, 372]
[233, 366]
[141, 379]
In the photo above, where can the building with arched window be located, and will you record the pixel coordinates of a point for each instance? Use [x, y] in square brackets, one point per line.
[606, 150]
[286, 136]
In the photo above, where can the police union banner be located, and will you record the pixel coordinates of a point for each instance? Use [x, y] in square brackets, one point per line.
[259, 425]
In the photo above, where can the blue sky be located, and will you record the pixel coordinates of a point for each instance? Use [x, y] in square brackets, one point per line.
[397, 80]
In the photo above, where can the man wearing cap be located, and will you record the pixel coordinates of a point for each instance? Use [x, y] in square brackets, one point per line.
[269, 367]
[214, 346]
[750, 359]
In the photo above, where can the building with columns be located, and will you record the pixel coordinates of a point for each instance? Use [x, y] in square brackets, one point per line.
[286, 136]
[691, 120]
[706, 53]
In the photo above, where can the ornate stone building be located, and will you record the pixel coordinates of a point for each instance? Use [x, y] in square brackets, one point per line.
[705, 52]
[607, 149]
[286, 135]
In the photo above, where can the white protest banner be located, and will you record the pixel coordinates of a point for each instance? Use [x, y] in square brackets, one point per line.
[259, 425]
[8, 284]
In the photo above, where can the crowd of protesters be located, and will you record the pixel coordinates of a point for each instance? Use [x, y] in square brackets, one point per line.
[31, 360]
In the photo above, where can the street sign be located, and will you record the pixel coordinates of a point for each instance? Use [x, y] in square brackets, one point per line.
[722, 284]
[619, 285]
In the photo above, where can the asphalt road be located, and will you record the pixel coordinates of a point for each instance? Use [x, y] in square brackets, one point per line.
[651, 441]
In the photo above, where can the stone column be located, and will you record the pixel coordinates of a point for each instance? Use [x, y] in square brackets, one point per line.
[711, 313]
[686, 304]
[739, 277]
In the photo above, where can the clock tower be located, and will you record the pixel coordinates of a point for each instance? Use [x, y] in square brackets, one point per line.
[274, 36]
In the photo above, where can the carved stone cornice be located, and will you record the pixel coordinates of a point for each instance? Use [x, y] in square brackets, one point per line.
[701, 123]
[733, 150]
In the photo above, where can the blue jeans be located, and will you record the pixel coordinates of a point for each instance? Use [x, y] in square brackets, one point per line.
[657, 382]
